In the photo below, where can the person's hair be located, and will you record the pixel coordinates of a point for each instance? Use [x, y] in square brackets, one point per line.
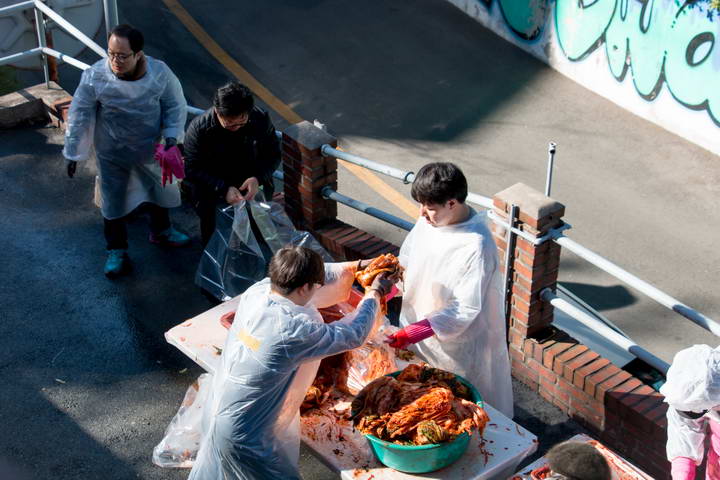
[233, 99]
[133, 35]
[436, 183]
[293, 267]
[578, 461]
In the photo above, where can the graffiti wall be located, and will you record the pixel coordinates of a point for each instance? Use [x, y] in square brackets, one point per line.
[656, 58]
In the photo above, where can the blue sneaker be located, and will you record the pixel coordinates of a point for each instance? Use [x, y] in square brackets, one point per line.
[170, 237]
[117, 263]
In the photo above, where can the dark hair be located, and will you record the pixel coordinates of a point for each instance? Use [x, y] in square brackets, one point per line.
[293, 267]
[436, 183]
[578, 461]
[233, 99]
[133, 35]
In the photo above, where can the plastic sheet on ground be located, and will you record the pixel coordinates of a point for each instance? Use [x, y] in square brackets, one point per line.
[235, 258]
[180, 445]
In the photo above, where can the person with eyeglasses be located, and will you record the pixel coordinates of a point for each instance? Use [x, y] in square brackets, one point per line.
[692, 392]
[123, 106]
[251, 416]
[231, 152]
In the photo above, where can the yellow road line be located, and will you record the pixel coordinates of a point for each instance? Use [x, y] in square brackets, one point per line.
[372, 180]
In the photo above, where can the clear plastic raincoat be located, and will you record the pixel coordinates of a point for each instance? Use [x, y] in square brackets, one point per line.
[452, 279]
[251, 424]
[693, 385]
[124, 119]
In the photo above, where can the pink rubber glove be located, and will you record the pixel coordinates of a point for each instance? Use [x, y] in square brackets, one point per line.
[411, 334]
[393, 291]
[683, 468]
[171, 162]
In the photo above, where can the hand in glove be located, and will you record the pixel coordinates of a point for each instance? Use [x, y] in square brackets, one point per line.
[71, 167]
[170, 160]
[411, 334]
[382, 284]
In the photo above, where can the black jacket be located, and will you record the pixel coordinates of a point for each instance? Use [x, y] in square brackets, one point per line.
[216, 158]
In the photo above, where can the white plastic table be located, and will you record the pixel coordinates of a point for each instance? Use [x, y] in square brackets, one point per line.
[495, 455]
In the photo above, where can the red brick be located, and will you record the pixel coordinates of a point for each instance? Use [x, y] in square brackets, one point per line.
[555, 350]
[566, 356]
[540, 347]
[582, 373]
[545, 394]
[598, 377]
[612, 382]
[515, 336]
[516, 354]
[577, 362]
[522, 372]
[532, 274]
[615, 394]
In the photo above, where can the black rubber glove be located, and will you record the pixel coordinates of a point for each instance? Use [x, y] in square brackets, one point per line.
[71, 167]
[382, 284]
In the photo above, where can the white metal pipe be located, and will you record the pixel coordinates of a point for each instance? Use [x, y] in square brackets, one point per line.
[405, 176]
[111, 14]
[65, 58]
[485, 202]
[551, 159]
[16, 7]
[40, 31]
[607, 332]
[658, 295]
[20, 55]
[68, 27]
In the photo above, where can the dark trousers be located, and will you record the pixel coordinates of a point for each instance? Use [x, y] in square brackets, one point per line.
[116, 229]
[206, 211]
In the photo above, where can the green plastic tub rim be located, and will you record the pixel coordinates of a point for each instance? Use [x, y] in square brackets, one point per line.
[462, 438]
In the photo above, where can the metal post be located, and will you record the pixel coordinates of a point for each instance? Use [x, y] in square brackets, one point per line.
[551, 159]
[40, 30]
[111, 14]
[509, 257]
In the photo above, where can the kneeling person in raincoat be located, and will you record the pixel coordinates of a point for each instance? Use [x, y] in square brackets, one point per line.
[251, 423]
[122, 106]
[692, 392]
[452, 307]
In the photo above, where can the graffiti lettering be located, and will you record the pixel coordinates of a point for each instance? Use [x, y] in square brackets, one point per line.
[658, 41]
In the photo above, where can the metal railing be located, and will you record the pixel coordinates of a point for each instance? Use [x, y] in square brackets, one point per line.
[556, 235]
[43, 51]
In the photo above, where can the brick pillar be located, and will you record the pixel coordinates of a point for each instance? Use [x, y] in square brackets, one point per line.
[533, 267]
[306, 172]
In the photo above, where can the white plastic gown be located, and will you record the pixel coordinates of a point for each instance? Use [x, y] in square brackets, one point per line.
[251, 429]
[693, 384]
[451, 278]
[124, 119]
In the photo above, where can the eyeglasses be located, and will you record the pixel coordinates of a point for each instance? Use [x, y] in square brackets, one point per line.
[239, 121]
[119, 56]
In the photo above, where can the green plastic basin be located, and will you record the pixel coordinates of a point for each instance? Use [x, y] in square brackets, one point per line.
[422, 458]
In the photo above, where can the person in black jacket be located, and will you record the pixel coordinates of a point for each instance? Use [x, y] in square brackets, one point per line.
[230, 152]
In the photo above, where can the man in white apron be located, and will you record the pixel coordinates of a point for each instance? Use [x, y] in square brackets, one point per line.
[123, 106]
[452, 307]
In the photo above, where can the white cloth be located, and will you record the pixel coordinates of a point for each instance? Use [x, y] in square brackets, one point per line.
[452, 279]
[124, 119]
[693, 385]
[251, 426]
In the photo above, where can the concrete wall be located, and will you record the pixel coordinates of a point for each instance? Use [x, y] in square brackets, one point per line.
[657, 58]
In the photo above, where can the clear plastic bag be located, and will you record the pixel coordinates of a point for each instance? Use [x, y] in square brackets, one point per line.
[235, 258]
[180, 445]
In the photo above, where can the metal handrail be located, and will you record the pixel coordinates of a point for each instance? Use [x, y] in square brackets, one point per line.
[69, 28]
[623, 275]
[598, 326]
[331, 194]
[66, 58]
